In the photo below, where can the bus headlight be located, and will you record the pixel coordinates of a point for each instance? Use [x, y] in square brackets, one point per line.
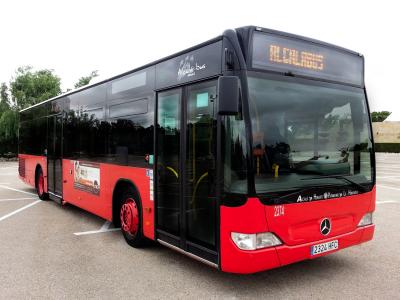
[366, 220]
[245, 241]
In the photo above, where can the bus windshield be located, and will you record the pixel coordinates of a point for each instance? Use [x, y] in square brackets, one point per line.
[307, 134]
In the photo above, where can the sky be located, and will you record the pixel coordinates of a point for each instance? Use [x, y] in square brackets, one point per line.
[75, 37]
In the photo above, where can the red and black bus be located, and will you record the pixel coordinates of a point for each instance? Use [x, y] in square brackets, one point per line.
[248, 152]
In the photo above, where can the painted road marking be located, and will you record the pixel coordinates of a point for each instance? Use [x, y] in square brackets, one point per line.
[387, 177]
[19, 210]
[104, 228]
[389, 201]
[388, 187]
[17, 190]
[16, 199]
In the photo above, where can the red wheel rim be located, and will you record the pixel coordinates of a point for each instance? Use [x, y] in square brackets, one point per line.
[129, 217]
[41, 184]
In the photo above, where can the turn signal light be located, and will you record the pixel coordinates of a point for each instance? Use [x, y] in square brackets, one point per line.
[366, 220]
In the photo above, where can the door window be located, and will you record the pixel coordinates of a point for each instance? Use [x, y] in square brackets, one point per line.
[168, 139]
[200, 164]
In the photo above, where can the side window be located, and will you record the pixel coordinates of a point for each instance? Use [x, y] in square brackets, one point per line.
[85, 129]
[32, 136]
[92, 132]
[131, 132]
[24, 137]
[70, 131]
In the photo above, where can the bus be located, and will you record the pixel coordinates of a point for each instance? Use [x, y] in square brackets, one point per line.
[250, 151]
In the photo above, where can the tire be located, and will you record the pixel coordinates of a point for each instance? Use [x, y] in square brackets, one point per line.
[131, 219]
[39, 183]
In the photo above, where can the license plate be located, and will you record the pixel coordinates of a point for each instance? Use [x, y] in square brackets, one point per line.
[324, 247]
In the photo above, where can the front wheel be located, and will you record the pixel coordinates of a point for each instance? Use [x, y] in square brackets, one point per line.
[40, 186]
[131, 219]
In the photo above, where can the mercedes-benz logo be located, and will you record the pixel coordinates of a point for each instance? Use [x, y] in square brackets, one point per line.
[325, 226]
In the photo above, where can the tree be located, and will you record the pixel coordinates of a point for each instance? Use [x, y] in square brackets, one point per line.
[4, 98]
[29, 87]
[380, 116]
[86, 79]
[9, 131]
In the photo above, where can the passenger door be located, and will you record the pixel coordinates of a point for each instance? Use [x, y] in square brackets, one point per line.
[54, 156]
[186, 168]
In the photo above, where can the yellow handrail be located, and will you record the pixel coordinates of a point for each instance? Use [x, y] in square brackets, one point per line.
[197, 184]
[173, 171]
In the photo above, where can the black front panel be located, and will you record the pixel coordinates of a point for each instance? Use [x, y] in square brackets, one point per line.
[201, 63]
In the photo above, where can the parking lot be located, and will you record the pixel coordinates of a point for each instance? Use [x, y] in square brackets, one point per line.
[50, 251]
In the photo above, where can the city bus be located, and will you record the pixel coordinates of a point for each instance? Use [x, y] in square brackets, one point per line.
[250, 151]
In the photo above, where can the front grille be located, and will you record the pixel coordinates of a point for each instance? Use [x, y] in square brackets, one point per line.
[21, 167]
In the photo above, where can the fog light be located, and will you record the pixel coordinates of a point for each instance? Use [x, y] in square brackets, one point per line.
[255, 241]
[366, 220]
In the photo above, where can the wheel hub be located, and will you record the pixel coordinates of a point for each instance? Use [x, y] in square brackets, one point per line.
[129, 217]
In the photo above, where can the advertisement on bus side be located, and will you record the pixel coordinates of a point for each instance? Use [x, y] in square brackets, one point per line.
[87, 177]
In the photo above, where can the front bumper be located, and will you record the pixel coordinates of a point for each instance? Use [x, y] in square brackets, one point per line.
[234, 260]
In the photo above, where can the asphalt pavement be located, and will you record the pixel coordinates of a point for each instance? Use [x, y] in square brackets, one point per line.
[49, 251]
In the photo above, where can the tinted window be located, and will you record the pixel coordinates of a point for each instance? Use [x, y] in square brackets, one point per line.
[85, 129]
[130, 118]
[132, 86]
[131, 136]
[129, 82]
[33, 136]
[92, 135]
[135, 107]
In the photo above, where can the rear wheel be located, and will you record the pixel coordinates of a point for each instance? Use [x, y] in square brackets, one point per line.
[40, 185]
[131, 219]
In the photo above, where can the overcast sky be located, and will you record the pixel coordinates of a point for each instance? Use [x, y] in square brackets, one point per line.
[75, 37]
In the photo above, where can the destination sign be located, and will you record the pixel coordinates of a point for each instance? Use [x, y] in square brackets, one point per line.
[300, 57]
[304, 59]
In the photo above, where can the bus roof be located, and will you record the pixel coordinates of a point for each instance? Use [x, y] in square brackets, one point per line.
[126, 73]
[244, 32]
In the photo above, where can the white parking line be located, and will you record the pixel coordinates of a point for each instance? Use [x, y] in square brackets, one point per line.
[19, 210]
[104, 228]
[388, 187]
[390, 169]
[390, 176]
[16, 199]
[384, 202]
[16, 190]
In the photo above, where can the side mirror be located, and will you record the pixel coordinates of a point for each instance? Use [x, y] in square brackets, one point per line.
[228, 95]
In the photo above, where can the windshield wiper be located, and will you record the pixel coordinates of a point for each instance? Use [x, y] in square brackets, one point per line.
[353, 183]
